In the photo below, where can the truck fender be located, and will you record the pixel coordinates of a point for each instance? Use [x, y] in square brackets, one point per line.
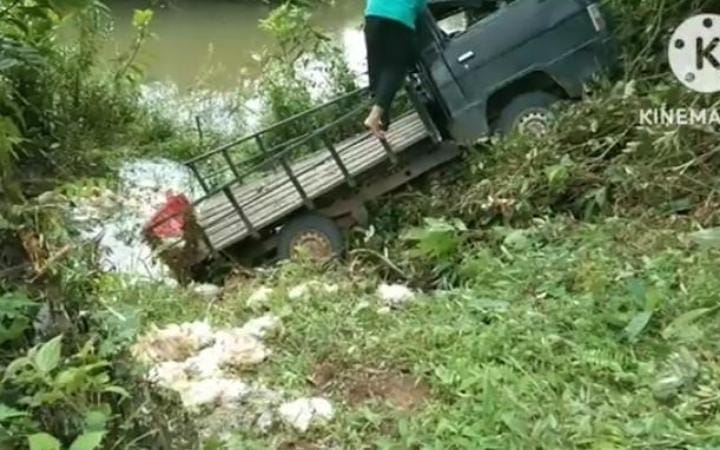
[536, 78]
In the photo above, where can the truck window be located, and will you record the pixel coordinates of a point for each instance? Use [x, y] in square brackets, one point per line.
[454, 24]
[455, 17]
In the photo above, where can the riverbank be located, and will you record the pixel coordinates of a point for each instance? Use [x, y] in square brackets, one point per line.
[553, 303]
[565, 298]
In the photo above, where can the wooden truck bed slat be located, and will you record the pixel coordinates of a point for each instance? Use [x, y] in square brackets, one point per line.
[364, 149]
[267, 199]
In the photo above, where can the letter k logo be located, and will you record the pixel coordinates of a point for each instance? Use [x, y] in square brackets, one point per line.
[694, 53]
[705, 53]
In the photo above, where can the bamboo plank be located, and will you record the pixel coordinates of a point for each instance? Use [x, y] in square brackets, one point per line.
[278, 177]
[287, 194]
[366, 147]
[266, 200]
[282, 202]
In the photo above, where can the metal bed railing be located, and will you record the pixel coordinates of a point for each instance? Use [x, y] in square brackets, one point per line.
[257, 149]
[277, 157]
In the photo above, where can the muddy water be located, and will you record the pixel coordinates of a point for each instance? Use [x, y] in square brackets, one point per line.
[216, 42]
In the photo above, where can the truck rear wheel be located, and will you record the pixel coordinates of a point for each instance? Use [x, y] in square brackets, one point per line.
[528, 114]
[312, 235]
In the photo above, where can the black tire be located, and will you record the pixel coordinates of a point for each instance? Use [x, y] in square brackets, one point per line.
[311, 224]
[522, 107]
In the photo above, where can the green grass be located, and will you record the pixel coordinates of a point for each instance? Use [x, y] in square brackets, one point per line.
[568, 339]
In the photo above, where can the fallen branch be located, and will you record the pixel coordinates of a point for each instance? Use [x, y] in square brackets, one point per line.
[9, 271]
[384, 259]
[54, 258]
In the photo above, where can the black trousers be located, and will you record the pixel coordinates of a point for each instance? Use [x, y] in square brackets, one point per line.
[391, 53]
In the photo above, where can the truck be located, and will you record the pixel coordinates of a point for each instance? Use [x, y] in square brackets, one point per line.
[283, 190]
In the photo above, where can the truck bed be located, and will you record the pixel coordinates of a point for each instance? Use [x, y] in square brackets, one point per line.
[273, 196]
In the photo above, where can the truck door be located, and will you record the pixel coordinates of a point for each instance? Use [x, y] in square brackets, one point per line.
[441, 85]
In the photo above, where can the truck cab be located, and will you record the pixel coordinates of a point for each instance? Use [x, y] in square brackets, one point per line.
[501, 65]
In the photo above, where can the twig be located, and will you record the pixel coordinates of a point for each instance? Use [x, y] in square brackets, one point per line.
[613, 144]
[383, 258]
[653, 39]
[137, 439]
[697, 160]
[56, 257]
[134, 51]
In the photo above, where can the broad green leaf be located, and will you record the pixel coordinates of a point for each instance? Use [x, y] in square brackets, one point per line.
[439, 238]
[637, 325]
[12, 304]
[43, 441]
[683, 321]
[556, 174]
[15, 330]
[48, 356]
[142, 18]
[7, 412]
[96, 420]
[69, 377]
[88, 441]
[15, 366]
[117, 390]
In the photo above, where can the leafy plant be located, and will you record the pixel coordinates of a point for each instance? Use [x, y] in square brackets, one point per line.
[438, 239]
[86, 441]
[9, 138]
[15, 316]
[306, 62]
[72, 388]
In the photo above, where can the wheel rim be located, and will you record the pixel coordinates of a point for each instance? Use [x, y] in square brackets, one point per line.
[314, 244]
[535, 123]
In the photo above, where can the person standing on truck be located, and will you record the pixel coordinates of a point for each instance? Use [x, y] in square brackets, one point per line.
[391, 51]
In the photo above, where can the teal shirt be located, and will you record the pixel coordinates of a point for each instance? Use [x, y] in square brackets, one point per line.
[405, 11]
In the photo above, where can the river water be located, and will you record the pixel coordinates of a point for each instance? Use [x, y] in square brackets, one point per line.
[216, 42]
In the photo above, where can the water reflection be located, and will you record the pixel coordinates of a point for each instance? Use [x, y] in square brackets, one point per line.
[203, 59]
[215, 42]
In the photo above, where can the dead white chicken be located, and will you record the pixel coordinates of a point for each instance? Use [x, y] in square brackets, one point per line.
[260, 296]
[212, 391]
[240, 348]
[395, 295]
[207, 291]
[303, 290]
[175, 342]
[303, 412]
[168, 373]
[261, 326]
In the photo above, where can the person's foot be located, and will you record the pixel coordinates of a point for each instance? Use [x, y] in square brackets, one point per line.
[374, 122]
